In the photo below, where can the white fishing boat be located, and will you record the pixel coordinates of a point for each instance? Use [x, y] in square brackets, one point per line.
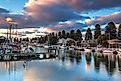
[63, 47]
[9, 48]
[47, 46]
[27, 49]
[15, 48]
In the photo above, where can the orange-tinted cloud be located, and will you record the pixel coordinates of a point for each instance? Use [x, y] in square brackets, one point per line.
[114, 17]
[49, 13]
[46, 12]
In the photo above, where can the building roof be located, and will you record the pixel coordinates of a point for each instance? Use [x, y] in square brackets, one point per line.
[114, 41]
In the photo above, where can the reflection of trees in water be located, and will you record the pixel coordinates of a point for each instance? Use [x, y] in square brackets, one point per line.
[10, 67]
[110, 63]
[63, 59]
[72, 60]
[72, 56]
[119, 63]
[97, 63]
[78, 60]
[78, 57]
[88, 58]
[75, 55]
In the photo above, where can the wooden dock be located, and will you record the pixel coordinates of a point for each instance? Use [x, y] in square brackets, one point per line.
[20, 56]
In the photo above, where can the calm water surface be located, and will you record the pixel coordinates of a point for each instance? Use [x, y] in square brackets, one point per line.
[81, 68]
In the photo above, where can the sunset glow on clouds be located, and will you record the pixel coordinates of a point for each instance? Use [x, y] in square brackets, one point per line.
[115, 17]
[61, 14]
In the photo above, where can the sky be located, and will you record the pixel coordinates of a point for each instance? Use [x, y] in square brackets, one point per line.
[57, 15]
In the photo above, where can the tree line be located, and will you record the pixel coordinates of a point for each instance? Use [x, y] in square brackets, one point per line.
[110, 32]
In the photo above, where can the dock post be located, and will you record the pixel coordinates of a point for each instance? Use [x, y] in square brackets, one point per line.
[58, 51]
[55, 51]
[48, 50]
[0, 57]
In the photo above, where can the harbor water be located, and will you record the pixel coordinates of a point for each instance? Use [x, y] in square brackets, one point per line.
[82, 67]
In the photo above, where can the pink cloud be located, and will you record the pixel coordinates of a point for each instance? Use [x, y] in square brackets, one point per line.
[51, 12]
[115, 17]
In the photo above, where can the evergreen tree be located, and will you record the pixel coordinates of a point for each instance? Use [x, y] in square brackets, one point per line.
[53, 34]
[78, 35]
[88, 35]
[52, 39]
[27, 39]
[59, 35]
[97, 31]
[67, 35]
[111, 31]
[119, 32]
[63, 34]
[102, 40]
[72, 34]
[20, 40]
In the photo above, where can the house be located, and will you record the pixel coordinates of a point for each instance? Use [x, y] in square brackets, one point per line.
[63, 41]
[114, 43]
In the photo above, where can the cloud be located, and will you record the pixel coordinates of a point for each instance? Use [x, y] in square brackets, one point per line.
[4, 13]
[79, 5]
[50, 12]
[85, 5]
[115, 17]
[47, 12]
[17, 18]
[2, 10]
[67, 25]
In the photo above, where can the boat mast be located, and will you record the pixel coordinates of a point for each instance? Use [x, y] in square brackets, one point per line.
[16, 30]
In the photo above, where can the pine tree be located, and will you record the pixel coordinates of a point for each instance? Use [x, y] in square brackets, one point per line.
[52, 38]
[72, 34]
[59, 35]
[97, 31]
[78, 35]
[63, 35]
[119, 32]
[67, 35]
[88, 35]
[111, 30]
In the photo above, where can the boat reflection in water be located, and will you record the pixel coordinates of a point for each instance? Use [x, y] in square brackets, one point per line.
[80, 67]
